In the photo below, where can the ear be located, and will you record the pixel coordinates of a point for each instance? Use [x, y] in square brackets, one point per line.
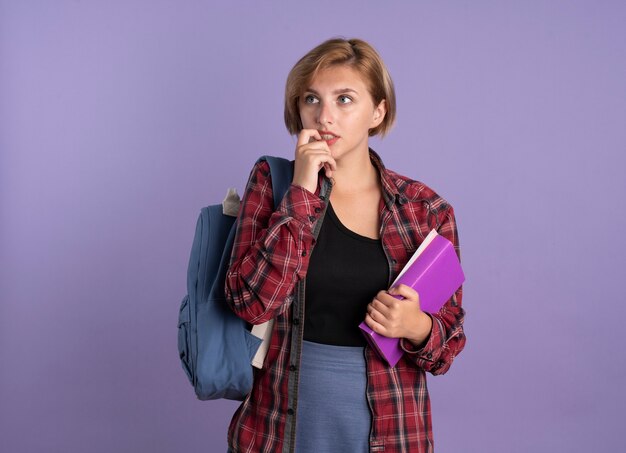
[379, 114]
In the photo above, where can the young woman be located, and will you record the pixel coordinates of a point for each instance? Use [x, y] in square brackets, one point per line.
[322, 262]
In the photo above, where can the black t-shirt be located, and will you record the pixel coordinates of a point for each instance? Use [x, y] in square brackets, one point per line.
[345, 272]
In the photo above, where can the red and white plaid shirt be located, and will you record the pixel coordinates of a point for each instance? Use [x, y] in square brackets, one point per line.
[268, 265]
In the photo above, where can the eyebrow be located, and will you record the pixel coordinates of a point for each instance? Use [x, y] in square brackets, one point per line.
[339, 91]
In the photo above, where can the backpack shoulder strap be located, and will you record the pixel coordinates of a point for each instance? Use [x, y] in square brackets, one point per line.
[281, 171]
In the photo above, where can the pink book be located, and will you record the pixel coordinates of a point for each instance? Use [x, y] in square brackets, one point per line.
[435, 272]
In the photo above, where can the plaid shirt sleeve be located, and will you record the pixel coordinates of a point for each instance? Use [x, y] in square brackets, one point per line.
[447, 338]
[271, 248]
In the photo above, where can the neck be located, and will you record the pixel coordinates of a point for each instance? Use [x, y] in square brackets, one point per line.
[355, 172]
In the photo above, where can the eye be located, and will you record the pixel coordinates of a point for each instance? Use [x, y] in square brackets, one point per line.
[343, 99]
[310, 99]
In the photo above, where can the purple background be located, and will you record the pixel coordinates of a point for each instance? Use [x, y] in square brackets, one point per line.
[120, 119]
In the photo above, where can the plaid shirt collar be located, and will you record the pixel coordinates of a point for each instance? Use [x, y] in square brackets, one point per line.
[391, 193]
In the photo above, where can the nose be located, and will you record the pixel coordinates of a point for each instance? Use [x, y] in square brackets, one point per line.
[325, 114]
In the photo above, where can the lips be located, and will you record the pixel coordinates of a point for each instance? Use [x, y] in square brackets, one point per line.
[329, 137]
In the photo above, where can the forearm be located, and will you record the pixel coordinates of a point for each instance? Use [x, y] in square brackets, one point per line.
[446, 338]
[271, 250]
[445, 341]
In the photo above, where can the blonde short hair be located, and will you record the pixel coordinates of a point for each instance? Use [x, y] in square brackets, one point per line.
[355, 53]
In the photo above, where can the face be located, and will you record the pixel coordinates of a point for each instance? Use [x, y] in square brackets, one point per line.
[338, 104]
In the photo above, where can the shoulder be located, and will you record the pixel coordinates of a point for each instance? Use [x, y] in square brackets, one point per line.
[260, 180]
[270, 176]
[414, 191]
[260, 170]
[264, 166]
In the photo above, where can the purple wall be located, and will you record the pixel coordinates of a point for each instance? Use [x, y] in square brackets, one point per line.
[119, 120]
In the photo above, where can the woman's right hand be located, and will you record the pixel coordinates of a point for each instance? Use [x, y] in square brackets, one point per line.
[312, 153]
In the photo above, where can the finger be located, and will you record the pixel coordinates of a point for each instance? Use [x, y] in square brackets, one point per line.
[312, 152]
[405, 291]
[374, 325]
[317, 154]
[328, 171]
[374, 314]
[380, 307]
[381, 295]
[332, 163]
[306, 135]
[386, 299]
[314, 145]
[321, 159]
[330, 166]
